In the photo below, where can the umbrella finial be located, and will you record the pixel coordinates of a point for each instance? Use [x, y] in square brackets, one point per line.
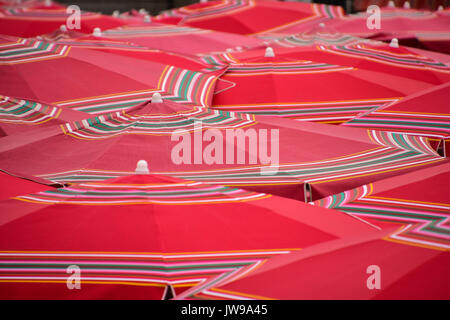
[156, 98]
[441, 7]
[269, 53]
[407, 5]
[63, 28]
[391, 4]
[116, 13]
[147, 18]
[394, 43]
[143, 11]
[203, 1]
[142, 167]
[47, 3]
[97, 32]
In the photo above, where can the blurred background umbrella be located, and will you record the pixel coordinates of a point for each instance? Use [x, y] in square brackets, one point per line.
[424, 114]
[329, 158]
[93, 81]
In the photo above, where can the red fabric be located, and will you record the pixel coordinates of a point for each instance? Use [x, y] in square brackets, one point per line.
[13, 185]
[50, 150]
[265, 224]
[20, 26]
[192, 41]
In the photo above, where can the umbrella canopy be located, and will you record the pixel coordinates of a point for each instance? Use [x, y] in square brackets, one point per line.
[250, 17]
[425, 29]
[131, 237]
[409, 251]
[181, 39]
[13, 184]
[425, 114]
[93, 81]
[293, 85]
[368, 267]
[330, 158]
[418, 201]
[31, 22]
[18, 115]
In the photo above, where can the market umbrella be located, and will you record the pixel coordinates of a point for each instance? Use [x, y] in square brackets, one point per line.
[343, 270]
[265, 154]
[418, 28]
[181, 39]
[410, 251]
[18, 115]
[418, 201]
[31, 22]
[34, 4]
[14, 184]
[134, 236]
[134, 51]
[250, 17]
[294, 84]
[93, 81]
[424, 114]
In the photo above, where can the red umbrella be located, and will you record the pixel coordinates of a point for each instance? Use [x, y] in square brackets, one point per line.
[409, 253]
[13, 184]
[93, 81]
[424, 114]
[329, 158]
[296, 85]
[181, 39]
[343, 270]
[417, 200]
[17, 115]
[250, 17]
[30, 22]
[35, 4]
[132, 237]
[411, 27]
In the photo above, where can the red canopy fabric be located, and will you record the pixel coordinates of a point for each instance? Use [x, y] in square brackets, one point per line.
[147, 231]
[424, 114]
[330, 158]
[343, 270]
[12, 185]
[18, 115]
[409, 252]
[92, 81]
[250, 17]
[417, 200]
[424, 29]
[31, 22]
[329, 84]
[181, 39]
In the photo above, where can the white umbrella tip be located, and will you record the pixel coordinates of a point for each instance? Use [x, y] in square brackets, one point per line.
[269, 53]
[97, 32]
[142, 167]
[48, 3]
[407, 5]
[147, 18]
[203, 1]
[143, 11]
[440, 8]
[116, 13]
[63, 28]
[156, 98]
[394, 43]
[391, 4]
